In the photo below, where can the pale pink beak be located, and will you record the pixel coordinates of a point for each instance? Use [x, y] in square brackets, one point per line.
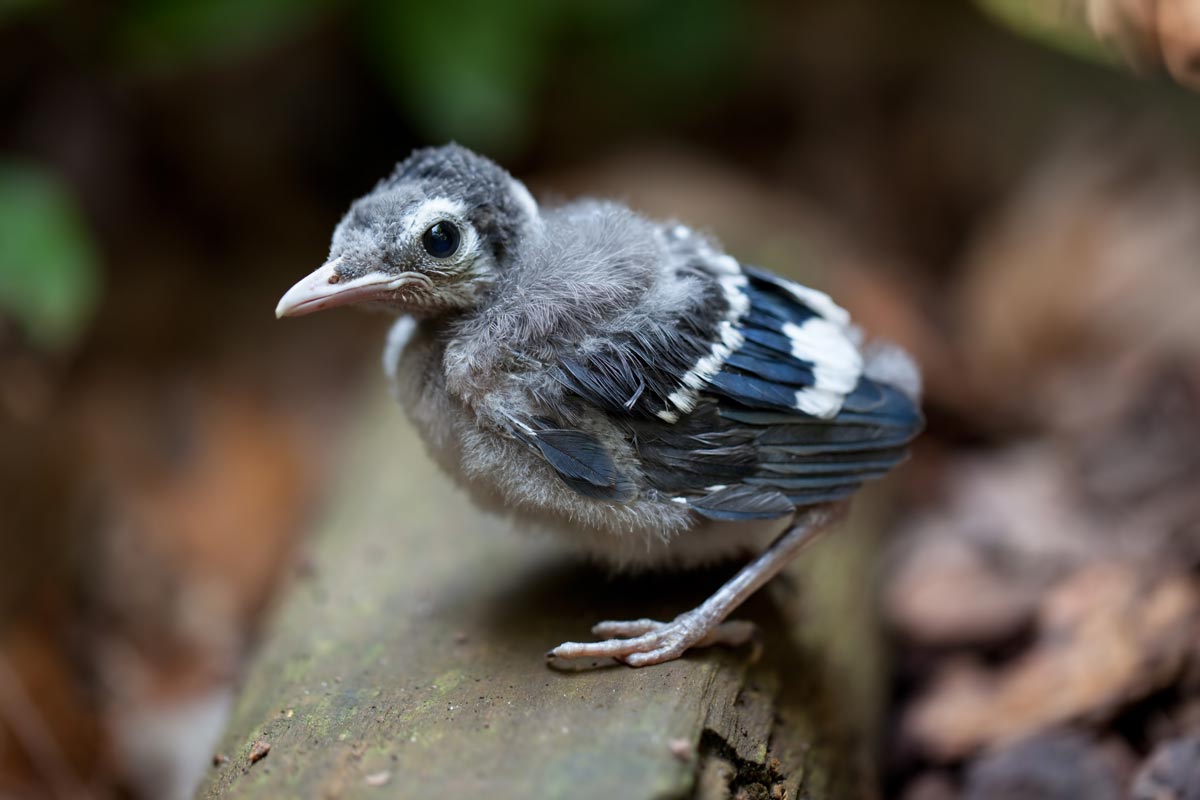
[325, 288]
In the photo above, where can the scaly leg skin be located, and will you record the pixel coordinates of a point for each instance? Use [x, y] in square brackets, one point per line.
[643, 642]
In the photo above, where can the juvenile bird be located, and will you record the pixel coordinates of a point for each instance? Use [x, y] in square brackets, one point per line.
[617, 380]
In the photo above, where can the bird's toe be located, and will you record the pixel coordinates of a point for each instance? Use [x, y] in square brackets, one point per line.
[625, 628]
[667, 650]
[610, 648]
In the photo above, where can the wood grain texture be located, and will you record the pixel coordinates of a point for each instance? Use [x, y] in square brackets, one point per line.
[410, 664]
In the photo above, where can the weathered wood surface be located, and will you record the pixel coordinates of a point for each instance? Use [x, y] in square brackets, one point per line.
[410, 664]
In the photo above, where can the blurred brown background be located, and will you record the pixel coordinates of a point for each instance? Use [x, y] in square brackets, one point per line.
[1008, 188]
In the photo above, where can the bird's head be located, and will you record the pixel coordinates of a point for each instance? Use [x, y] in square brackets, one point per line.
[429, 240]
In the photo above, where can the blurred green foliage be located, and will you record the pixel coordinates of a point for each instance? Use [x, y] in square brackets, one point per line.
[1051, 24]
[10, 8]
[476, 71]
[49, 274]
[473, 70]
[470, 70]
[466, 70]
[169, 34]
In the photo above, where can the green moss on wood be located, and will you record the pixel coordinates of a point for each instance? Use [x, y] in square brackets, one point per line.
[417, 648]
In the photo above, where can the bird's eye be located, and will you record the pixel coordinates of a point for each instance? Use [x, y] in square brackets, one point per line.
[441, 240]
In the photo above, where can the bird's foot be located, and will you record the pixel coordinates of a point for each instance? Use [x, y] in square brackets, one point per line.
[642, 642]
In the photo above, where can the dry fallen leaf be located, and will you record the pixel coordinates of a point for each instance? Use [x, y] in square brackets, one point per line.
[1148, 35]
[944, 592]
[1171, 773]
[1062, 764]
[1179, 35]
[1091, 261]
[1106, 635]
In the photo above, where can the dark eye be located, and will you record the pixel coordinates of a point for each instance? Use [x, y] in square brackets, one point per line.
[441, 240]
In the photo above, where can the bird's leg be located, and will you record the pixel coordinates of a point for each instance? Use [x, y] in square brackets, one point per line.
[648, 641]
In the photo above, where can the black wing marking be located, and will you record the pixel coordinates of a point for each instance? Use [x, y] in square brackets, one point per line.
[799, 354]
[799, 457]
[742, 501]
[636, 373]
[751, 440]
[780, 418]
[581, 461]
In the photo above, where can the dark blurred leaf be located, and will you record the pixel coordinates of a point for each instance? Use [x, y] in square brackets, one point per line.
[170, 33]
[472, 71]
[670, 59]
[49, 276]
[466, 71]
[10, 8]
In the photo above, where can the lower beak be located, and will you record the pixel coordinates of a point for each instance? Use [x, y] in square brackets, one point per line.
[326, 288]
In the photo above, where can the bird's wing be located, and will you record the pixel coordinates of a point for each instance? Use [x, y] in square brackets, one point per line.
[580, 459]
[749, 403]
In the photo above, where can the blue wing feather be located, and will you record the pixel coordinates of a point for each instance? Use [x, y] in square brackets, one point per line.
[745, 450]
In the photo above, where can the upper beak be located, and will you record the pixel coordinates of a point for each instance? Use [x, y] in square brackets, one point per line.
[325, 288]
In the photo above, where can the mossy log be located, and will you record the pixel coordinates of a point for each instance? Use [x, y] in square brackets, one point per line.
[410, 662]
